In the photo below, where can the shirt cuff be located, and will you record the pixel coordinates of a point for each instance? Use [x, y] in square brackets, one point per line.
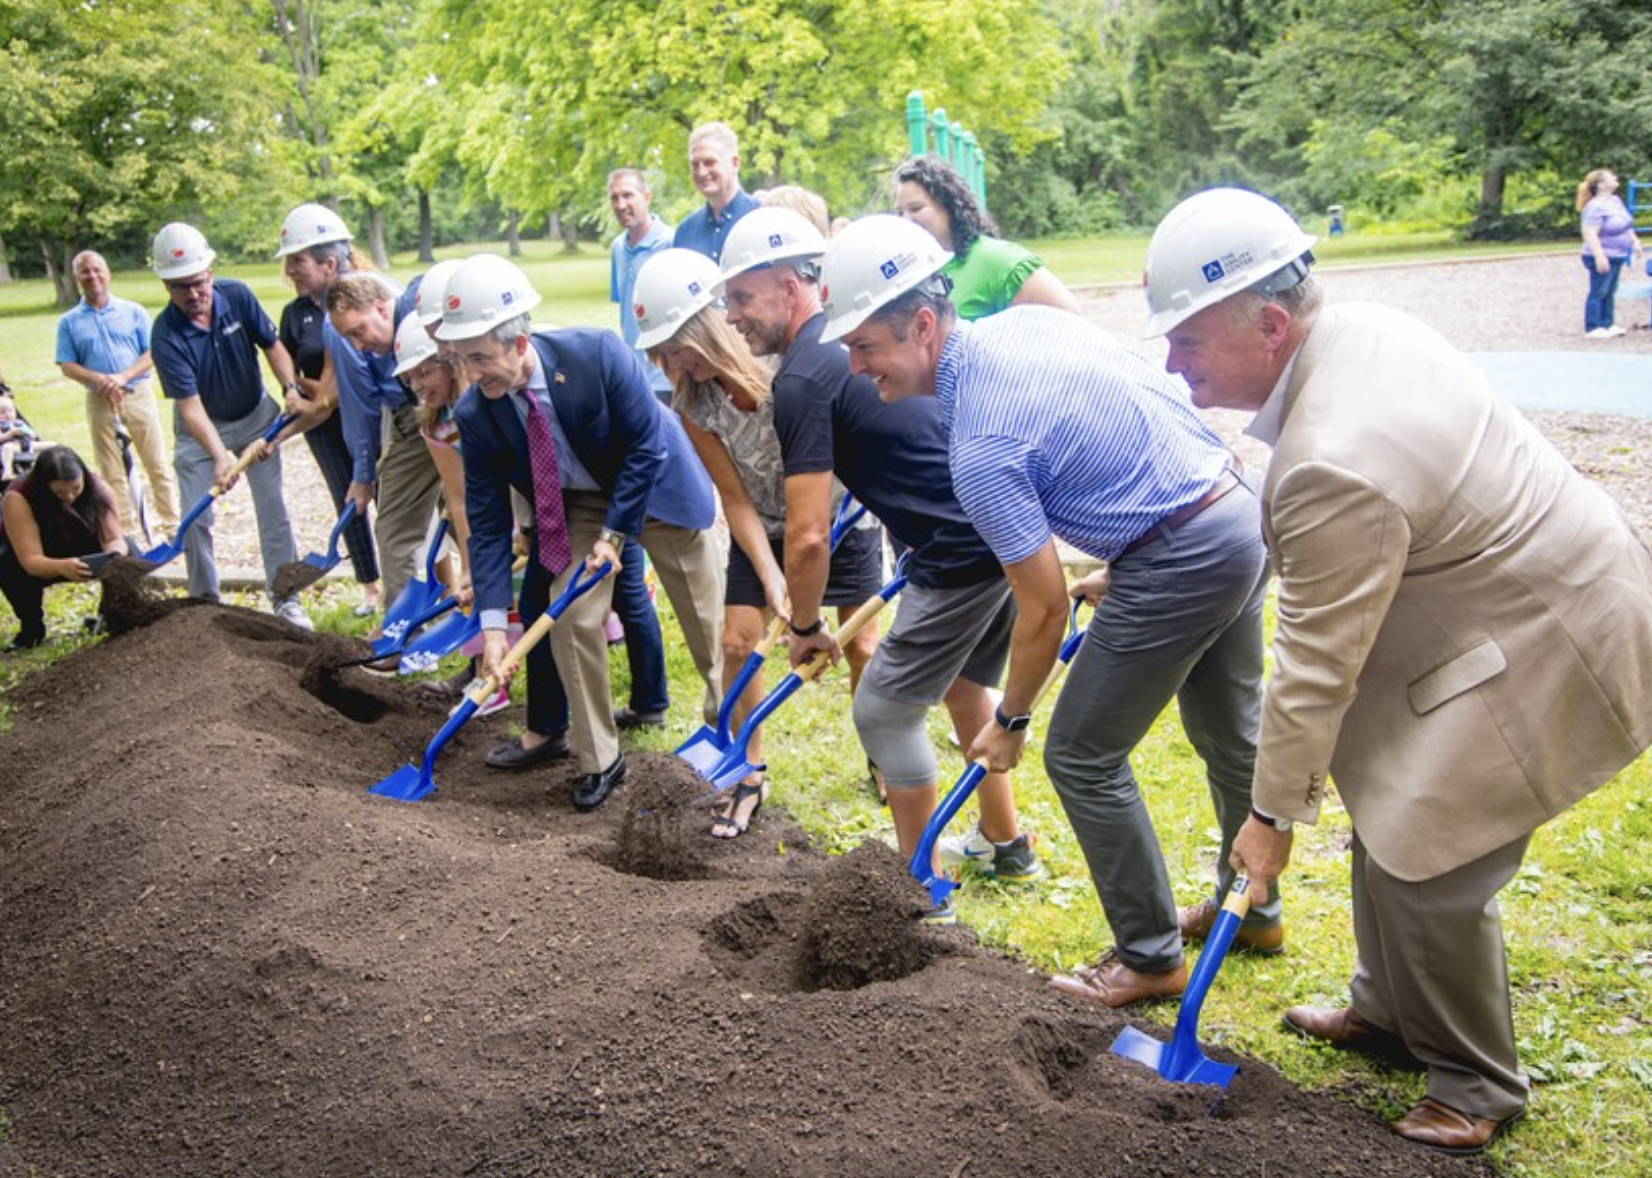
[496, 619]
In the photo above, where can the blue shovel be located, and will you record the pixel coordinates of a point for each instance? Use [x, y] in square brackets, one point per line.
[301, 574]
[165, 553]
[922, 865]
[391, 645]
[411, 783]
[734, 765]
[416, 596]
[1180, 1060]
[707, 746]
[445, 637]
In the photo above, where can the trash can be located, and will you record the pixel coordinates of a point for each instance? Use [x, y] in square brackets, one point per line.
[1335, 225]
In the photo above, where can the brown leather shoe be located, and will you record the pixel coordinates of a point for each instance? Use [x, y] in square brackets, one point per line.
[1345, 1028]
[1113, 983]
[1447, 1130]
[1196, 921]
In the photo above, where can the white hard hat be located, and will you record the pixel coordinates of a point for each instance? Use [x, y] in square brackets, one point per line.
[309, 225]
[179, 251]
[427, 304]
[768, 235]
[485, 291]
[872, 262]
[671, 287]
[413, 345]
[1217, 243]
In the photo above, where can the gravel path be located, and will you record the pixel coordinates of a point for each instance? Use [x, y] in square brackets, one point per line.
[1511, 304]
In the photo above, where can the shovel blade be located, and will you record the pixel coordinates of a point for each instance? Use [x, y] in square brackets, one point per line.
[408, 784]
[1186, 1066]
[442, 639]
[702, 751]
[162, 554]
[729, 772]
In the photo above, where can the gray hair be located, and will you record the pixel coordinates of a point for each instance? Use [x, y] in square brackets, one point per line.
[508, 331]
[339, 251]
[83, 255]
[720, 133]
[1301, 300]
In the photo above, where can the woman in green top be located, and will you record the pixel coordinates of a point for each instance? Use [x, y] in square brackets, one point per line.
[987, 274]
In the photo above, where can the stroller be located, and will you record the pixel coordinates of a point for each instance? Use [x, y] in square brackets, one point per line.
[24, 450]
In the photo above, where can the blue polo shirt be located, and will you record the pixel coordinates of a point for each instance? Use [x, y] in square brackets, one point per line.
[367, 385]
[1058, 428]
[624, 261]
[106, 339]
[893, 458]
[703, 232]
[218, 363]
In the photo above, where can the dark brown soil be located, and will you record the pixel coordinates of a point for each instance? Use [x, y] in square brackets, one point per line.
[220, 956]
[290, 578]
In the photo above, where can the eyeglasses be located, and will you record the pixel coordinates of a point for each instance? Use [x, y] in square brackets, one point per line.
[199, 282]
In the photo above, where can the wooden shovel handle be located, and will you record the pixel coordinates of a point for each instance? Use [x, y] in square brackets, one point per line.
[770, 637]
[811, 667]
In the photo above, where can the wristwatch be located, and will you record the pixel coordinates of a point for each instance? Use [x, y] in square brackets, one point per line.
[612, 538]
[291, 387]
[1282, 825]
[808, 631]
[1011, 723]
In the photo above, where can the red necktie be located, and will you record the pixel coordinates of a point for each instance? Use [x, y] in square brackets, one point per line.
[549, 520]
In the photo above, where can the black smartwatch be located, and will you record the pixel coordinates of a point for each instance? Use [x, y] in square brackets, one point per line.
[1282, 825]
[808, 631]
[1011, 723]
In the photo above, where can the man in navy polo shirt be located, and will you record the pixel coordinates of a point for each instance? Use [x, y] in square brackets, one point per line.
[206, 343]
[388, 455]
[103, 343]
[1057, 430]
[714, 160]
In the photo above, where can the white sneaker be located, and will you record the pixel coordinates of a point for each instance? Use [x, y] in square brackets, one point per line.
[1598, 333]
[1615, 330]
[288, 610]
[973, 849]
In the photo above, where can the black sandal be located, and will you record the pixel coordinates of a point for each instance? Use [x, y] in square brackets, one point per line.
[729, 825]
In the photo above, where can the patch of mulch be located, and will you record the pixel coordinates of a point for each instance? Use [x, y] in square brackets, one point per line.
[221, 957]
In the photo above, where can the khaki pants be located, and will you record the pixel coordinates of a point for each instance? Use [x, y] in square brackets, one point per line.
[692, 574]
[408, 491]
[142, 419]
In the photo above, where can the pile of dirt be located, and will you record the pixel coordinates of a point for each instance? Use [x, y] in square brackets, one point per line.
[131, 599]
[221, 956]
[861, 923]
[663, 819]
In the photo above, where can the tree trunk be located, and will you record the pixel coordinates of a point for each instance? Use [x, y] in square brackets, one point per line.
[5, 266]
[570, 237]
[553, 226]
[427, 230]
[375, 237]
[513, 233]
[1491, 193]
[57, 269]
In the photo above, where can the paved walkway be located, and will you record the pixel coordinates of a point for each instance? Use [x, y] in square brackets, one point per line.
[1582, 382]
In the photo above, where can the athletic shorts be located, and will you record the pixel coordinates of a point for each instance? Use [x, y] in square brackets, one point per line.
[941, 635]
[856, 573]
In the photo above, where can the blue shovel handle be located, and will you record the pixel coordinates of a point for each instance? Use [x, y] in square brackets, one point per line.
[344, 518]
[166, 552]
[848, 515]
[1182, 1054]
[435, 551]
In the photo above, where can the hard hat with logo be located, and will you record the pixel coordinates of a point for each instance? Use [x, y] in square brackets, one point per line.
[485, 291]
[413, 345]
[179, 251]
[671, 287]
[427, 304]
[873, 262]
[309, 225]
[768, 235]
[1217, 243]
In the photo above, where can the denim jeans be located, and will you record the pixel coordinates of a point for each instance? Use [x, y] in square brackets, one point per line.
[1603, 291]
[644, 645]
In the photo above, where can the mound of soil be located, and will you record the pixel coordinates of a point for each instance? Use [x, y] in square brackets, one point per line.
[221, 956]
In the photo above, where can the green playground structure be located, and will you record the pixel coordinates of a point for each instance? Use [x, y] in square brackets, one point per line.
[950, 141]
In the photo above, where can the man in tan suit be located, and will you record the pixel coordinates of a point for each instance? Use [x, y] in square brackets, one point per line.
[1464, 636]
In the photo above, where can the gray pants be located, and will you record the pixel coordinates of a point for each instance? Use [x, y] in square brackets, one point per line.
[407, 492]
[194, 467]
[1182, 618]
[1432, 969]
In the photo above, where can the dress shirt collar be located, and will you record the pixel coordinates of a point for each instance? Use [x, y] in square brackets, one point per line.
[1270, 419]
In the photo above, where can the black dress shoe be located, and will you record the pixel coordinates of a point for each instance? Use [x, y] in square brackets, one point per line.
[24, 642]
[627, 719]
[514, 757]
[593, 789]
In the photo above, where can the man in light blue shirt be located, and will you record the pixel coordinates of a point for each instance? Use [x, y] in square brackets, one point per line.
[1058, 431]
[103, 344]
[642, 236]
[714, 162]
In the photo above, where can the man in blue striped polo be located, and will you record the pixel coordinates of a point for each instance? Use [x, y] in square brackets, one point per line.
[1057, 431]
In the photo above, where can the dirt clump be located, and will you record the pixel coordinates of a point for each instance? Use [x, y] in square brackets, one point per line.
[294, 577]
[662, 826]
[862, 923]
[131, 598]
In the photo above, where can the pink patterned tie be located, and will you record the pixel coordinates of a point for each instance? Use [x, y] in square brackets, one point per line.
[549, 520]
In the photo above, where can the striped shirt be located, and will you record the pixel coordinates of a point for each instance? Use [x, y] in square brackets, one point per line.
[1058, 428]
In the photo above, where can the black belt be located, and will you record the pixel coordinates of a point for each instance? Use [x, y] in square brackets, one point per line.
[1225, 482]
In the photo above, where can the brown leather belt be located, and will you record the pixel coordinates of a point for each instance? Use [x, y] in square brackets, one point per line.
[1225, 482]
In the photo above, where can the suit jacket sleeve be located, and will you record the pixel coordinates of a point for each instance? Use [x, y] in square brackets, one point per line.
[1341, 545]
[487, 503]
[635, 416]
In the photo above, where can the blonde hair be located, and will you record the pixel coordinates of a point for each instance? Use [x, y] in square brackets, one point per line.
[1586, 190]
[428, 415]
[811, 206]
[358, 292]
[738, 371]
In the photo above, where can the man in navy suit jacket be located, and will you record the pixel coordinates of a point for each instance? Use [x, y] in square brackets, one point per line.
[626, 469]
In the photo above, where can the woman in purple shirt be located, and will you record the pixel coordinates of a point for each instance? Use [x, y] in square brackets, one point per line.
[1608, 242]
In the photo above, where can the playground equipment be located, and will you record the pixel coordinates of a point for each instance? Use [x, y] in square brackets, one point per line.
[951, 142]
[1636, 187]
